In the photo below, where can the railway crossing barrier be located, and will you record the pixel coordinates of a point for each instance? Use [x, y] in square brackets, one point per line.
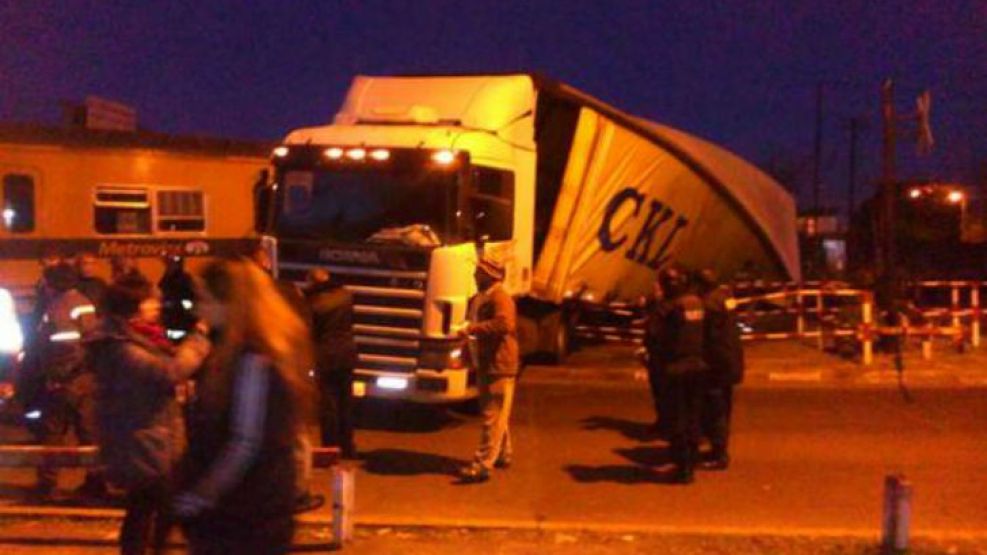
[824, 311]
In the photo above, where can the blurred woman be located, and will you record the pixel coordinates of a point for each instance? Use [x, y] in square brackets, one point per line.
[251, 400]
[140, 430]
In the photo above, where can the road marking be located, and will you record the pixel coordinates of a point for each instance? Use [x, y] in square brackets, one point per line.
[812, 376]
[621, 528]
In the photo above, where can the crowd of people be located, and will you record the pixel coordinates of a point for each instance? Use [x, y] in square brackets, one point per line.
[199, 392]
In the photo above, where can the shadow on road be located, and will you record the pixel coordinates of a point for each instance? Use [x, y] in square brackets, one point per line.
[400, 462]
[646, 462]
[638, 431]
[404, 417]
[620, 474]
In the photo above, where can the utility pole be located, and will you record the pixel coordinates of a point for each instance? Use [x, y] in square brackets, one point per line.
[817, 158]
[851, 200]
[888, 193]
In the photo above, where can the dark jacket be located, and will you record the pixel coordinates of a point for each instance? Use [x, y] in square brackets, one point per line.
[722, 348]
[331, 307]
[93, 288]
[69, 317]
[674, 336]
[495, 329]
[139, 424]
[177, 289]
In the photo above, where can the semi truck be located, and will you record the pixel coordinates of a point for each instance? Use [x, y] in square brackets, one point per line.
[580, 201]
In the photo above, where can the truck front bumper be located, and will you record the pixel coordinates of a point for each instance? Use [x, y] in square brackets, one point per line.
[423, 385]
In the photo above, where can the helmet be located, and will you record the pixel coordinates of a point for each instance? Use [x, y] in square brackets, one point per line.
[673, 281]
[706, 280]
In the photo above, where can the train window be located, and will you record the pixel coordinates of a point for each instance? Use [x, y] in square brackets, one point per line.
[182, 210]
[122, 211]
[491, 203]
[18, 203]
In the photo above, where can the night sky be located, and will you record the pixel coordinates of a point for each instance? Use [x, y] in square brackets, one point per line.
[742, 74]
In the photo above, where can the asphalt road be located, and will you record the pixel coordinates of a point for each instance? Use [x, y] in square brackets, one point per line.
[808, 459]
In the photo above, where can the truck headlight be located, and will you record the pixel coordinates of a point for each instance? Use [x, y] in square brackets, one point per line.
[11, 339]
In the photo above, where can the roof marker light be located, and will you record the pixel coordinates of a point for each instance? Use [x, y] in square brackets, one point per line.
[380, 154]
[356, 154]
[444, 157]
[280, 151]
[334, 153]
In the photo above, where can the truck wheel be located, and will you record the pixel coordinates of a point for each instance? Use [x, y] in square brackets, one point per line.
[561, 340]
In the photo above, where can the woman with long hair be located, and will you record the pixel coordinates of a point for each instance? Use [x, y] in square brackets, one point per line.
[252, 398]
[140, 431]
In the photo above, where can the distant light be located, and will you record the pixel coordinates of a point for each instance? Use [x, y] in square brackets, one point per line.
[380, 154]
[388, 382]
[175, 335]
[914, 193]
[33, 415]
[334, 153]
[8, 216]
[444, 157]
[11, 338]
[187, 304]
[955, 197]
[280, 151]
[456, 354]
[356, 154]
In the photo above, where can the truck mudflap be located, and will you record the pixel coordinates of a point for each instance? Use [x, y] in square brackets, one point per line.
[421, 386]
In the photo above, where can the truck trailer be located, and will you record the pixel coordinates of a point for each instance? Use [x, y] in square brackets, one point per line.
[580, 201]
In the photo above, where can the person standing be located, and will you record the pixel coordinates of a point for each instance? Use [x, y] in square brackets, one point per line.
[493, 343]
[724, 355]
[675, 337]
[177, 297]
[651, 360]
[64, 401]
[331, 306]
[252, 396]
[141, 433]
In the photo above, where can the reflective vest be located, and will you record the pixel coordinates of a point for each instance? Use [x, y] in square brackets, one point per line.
[69, 317]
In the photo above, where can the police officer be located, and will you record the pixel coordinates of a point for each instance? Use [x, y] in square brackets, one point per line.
[724, 354]
[64, 403]
[675, 339]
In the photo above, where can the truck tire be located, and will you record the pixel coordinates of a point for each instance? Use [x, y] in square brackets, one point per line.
[560, 337]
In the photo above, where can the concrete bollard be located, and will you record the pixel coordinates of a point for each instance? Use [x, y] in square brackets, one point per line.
[343, 482]
[975, 306]
[927, 347]
[867, 322]
[897, 514]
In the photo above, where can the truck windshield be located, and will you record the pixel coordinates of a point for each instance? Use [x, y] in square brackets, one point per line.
[356, 205]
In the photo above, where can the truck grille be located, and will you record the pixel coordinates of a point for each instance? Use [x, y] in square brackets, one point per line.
[387, 313]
